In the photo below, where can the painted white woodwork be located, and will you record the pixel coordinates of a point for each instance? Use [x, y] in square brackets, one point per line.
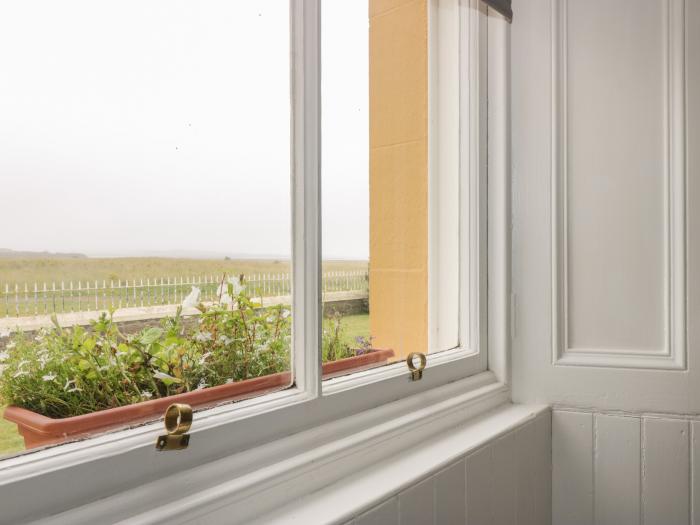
[572, 472]
[606, 209]
[458, 197]
[695, 471]
[541, 456]
[450, 494]
[665, 472]
[617, 469]
[505, 478]
[605, 100]
[384, 514]
[481, 487]
[417, 504]
[618, 183]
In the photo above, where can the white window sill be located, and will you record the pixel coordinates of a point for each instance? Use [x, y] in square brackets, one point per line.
[264, 479]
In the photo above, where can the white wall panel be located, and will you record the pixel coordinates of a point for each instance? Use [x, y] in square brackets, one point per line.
[481, 487]
[624, 469]
[505, 477]
[614, 142]
[618, 190]
[450, 495]
[605, 140]
[695, 474]
[666, 472]
[416, 505]
[617, 470]
[542, 470]
[386, 513]
[572, 468]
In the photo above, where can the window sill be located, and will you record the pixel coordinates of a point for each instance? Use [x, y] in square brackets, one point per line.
[260, 479]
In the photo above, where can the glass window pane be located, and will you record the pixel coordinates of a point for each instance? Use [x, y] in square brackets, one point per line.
[392, 201]
[145, 175]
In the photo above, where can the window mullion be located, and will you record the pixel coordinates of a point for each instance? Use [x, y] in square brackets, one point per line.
[306, 192]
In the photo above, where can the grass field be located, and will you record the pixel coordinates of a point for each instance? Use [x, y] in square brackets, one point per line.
[11, 441]
[35, 286]
[31, 270]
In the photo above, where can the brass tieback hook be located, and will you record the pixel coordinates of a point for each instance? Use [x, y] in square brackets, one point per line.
[416, 371]
[178, 420]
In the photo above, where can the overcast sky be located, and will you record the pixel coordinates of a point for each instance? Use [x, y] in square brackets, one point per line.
[139, 126]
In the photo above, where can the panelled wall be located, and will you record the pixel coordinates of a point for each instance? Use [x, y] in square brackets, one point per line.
[618, 469]
[606, 250]
[507, 481]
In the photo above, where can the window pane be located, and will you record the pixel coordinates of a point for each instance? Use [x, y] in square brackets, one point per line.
[345, 142]
[394, 203]
[145, 174]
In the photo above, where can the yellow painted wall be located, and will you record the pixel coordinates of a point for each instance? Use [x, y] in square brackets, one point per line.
[398, 97]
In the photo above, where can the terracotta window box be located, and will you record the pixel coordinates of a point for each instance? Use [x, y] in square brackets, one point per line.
[38, 430]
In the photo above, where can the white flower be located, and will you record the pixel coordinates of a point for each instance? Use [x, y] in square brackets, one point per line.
[229, 381]
[222, 290]
[5, 332]
[202, 384]
[237, 286]
[4, 356]
[72, 388]
[146, 395]
[49, 377]
[192, 300]
[286, 313]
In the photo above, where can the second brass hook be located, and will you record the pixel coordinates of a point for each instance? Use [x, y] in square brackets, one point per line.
[178, 420]
[416, 371]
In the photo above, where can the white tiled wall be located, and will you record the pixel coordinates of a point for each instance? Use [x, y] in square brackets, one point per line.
[506, 482]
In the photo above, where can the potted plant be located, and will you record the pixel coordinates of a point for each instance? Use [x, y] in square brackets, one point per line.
[69, 382]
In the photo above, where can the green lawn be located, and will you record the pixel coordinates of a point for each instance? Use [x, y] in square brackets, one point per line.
[10, 440]
[355, 326]
[31, 270]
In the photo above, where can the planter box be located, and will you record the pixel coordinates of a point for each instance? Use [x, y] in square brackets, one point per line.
[38, 430]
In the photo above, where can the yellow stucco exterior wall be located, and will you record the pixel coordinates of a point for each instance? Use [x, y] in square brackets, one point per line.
[398, 99]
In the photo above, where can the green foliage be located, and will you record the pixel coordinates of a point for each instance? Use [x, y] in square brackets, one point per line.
[62, 372]
[334, 345]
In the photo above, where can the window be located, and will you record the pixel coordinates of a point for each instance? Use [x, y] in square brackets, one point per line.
[404, 189]
[398, 157]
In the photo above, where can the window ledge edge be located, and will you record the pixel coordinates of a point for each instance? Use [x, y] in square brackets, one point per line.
[305, 462]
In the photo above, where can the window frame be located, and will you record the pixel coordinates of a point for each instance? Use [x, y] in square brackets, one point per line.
[218, 432]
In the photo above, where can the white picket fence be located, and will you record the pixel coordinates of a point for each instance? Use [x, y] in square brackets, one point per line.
[30, 299]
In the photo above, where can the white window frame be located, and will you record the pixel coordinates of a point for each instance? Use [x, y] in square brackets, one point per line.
[65, 475]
